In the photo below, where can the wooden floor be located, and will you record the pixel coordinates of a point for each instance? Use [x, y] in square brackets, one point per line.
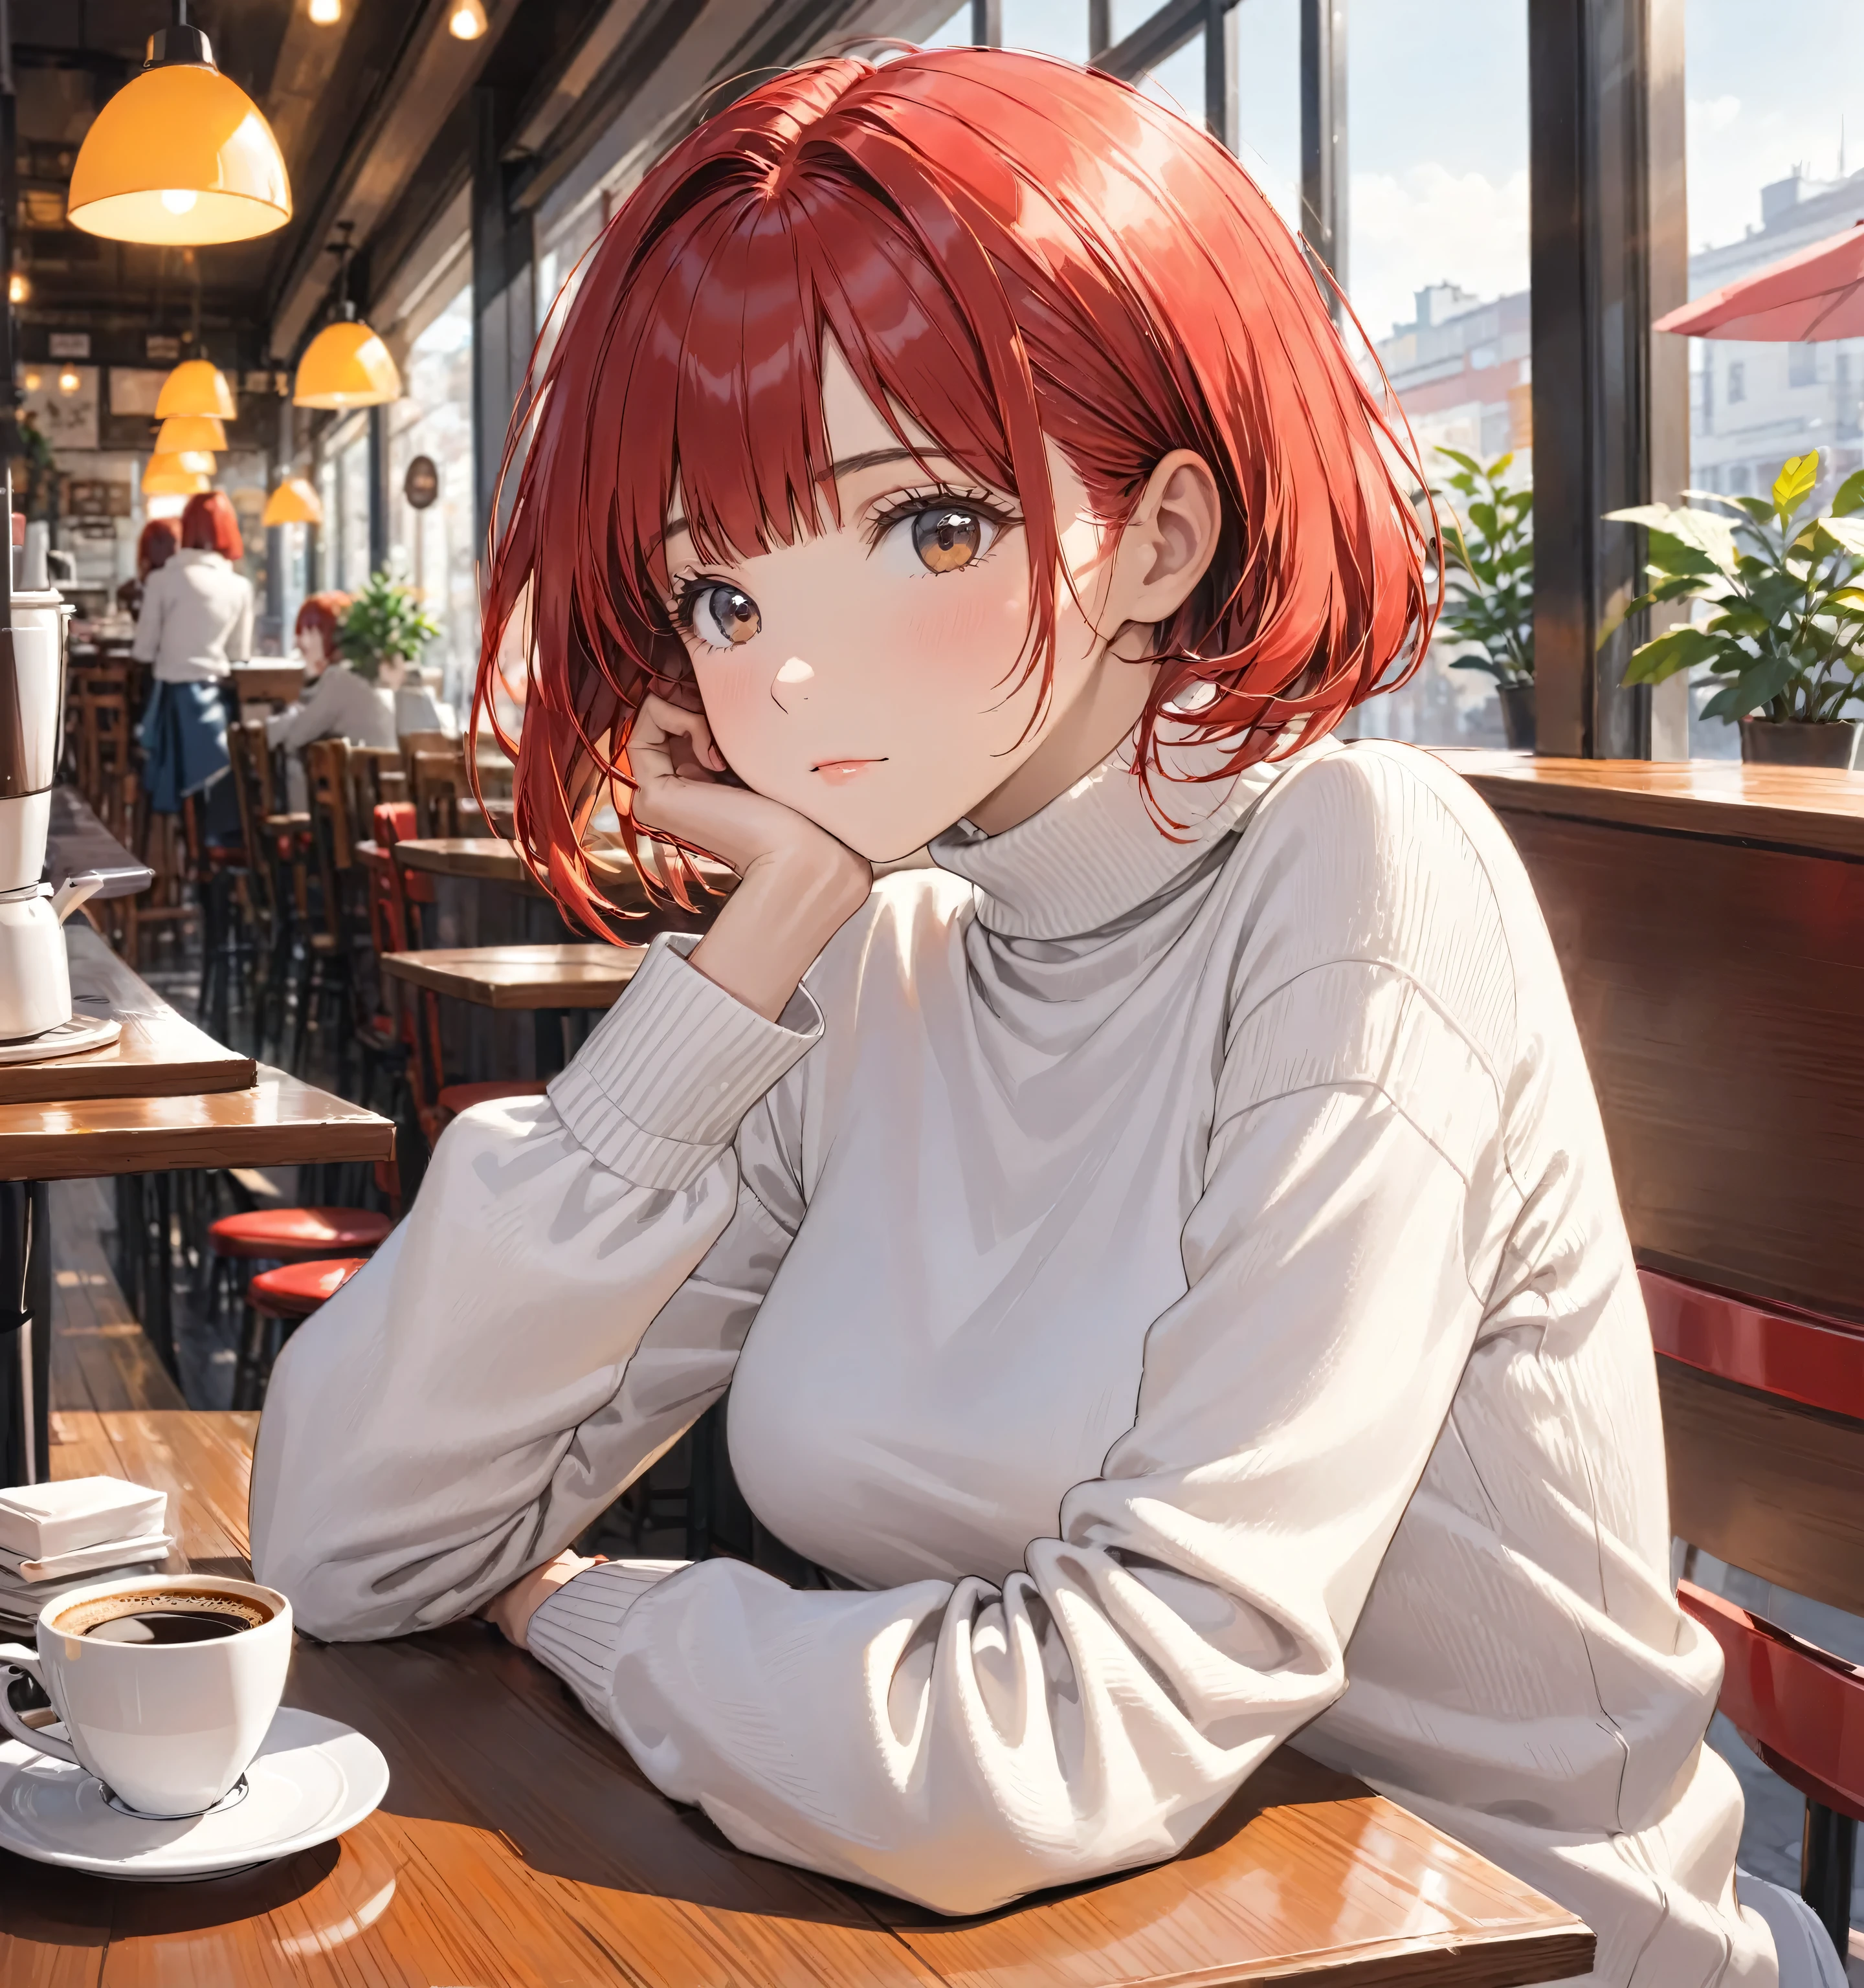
[101, 1361]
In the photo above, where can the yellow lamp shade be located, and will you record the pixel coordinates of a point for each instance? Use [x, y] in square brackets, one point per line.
[189, 461]
[191, 431]
[293, 502]
[196, 387]
[166, 476]
[347, 366]
[181, 155]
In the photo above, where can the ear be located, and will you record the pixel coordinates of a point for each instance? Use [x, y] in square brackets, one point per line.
[1168, 543]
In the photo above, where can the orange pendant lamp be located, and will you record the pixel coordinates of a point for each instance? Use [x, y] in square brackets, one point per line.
[169, 476]
[294, 502]
[346, 365]
[196, 387]
[181, 155]
[181, 431]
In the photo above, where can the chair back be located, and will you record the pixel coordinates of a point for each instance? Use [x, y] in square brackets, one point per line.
[252, 764]
[436, 784]
[327, 783]
[376, 774]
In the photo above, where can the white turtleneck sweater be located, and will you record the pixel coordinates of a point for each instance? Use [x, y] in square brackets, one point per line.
[1177, 1284]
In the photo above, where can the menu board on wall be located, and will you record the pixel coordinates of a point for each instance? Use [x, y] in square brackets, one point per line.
[62, 400]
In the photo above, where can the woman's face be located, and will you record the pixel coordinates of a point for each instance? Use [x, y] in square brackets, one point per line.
[310, 646]
[867, 676]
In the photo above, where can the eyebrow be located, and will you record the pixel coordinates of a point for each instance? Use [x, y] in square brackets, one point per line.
[849, 466]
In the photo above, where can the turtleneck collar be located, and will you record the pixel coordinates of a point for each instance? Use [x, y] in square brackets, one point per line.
[1096, 853]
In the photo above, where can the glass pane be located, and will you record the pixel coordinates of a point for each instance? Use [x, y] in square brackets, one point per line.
[353, 501]
[1268, 88]
[1437, 272]
[1178, 80]
[1047, 27]
[1767, 177]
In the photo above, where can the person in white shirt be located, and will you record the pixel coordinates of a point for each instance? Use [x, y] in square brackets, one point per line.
[1164, 1259]
[195, 622]
[337, 703]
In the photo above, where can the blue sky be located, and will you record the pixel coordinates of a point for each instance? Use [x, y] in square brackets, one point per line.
[1437, 121]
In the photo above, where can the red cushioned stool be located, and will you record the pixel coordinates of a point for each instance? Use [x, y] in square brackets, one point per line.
[455, 1098]
[275, 1301]
[290, 1235]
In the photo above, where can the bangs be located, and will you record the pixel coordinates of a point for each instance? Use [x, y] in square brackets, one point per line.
[1005, 250]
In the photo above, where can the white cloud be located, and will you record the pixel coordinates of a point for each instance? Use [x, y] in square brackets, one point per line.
[1428, 224]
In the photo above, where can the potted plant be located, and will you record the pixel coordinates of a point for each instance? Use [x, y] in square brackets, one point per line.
[1488, 593]
[384, 629]
[1788, 614]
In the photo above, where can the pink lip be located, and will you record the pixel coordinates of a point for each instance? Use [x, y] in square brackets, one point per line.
[838, 772]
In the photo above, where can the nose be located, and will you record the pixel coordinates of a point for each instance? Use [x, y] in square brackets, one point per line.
[792, 677]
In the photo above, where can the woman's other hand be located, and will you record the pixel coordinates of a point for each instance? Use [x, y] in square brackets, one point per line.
[798, 885]
[511, 1610]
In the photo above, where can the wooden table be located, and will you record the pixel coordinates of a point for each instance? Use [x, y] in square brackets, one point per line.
[522, 978]
[272, 681]
[164, 1096]
[518, 1845]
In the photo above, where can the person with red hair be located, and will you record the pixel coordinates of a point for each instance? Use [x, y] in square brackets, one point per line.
[338, 702]
[1164, 1256]
[159, 540]
[195, 623]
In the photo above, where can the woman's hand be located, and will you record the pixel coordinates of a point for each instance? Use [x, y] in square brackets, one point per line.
[798, 885]
[510, 1611]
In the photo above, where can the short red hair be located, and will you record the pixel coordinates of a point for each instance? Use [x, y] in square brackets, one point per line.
[324, 612]
[160, 540]
[208, 526]
[1004, 248]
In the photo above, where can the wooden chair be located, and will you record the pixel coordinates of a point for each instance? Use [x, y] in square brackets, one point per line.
[1764, 1422]
[327, 965]
[437, 783]
[277, 1301]
[377, 774]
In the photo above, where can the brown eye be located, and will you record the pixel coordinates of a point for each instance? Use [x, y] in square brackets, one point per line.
[722, 617]
[946, 538]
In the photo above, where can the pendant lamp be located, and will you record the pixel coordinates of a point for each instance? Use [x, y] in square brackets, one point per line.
[466, 19]
[166, 477]
[181, 155]
[196, 387]
[191, 431]
[293, 502]
[346, 365]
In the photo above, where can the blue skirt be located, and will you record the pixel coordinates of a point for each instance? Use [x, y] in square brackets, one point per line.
[184, 733]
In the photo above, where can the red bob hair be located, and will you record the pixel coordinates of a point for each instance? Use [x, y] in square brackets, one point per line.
[324, 612]
[208, 526]
[160, 540]
[1003, 247]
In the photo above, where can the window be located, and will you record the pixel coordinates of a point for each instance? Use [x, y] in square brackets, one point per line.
[1767, 176]
[1437, 267]
[433, 548]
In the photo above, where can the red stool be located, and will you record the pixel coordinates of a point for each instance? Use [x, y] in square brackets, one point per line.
[281, 1298]
[290, 1235]
[455, 1098]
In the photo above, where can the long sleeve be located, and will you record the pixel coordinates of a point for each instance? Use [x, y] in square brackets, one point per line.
[962, 1743]
[569, 1292]
[239, 637]
[148, 644]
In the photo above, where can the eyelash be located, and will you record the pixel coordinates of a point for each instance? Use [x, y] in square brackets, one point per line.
[910, 503]
[688, 587]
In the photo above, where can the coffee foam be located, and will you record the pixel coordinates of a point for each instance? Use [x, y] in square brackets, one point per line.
[102, 1608]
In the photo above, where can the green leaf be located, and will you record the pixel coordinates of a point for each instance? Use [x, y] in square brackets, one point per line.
[1737, 618]
[1751, 689]
[1669, 554]
[1847, 534]
[1675, 649]
[1794, 484]
[1707, 532]
[1485, 664]
[383, 622]
[1850, 496]
[1462, 461]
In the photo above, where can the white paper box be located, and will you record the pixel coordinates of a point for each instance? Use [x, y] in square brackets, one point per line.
[38, 1521]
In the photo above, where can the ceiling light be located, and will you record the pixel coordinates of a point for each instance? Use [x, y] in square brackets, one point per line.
[196, 387]
[68, 381]
[326, 13]
[180, 154]
[466, 21]
[293, 502]
[167, 476]
[346, 365]
[191, 431]
[18, 288]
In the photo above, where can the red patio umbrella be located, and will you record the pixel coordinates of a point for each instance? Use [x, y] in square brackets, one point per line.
[1818, 293]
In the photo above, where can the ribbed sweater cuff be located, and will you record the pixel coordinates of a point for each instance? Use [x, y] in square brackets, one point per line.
[575, 1630]
[658, 1090]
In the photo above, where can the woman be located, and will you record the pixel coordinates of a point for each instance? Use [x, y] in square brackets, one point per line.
[1164, 1258]
[161, 540]
[338, 703]
[196, 623]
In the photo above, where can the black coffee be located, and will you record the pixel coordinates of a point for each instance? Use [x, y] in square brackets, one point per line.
[167, 1625]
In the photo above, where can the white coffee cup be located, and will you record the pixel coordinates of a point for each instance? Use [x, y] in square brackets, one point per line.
[167, 1727]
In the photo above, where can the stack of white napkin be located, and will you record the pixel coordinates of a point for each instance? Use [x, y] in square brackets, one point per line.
[55, 1536]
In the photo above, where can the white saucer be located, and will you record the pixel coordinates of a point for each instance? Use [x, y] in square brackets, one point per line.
[82, 1032]
[312, 1780]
